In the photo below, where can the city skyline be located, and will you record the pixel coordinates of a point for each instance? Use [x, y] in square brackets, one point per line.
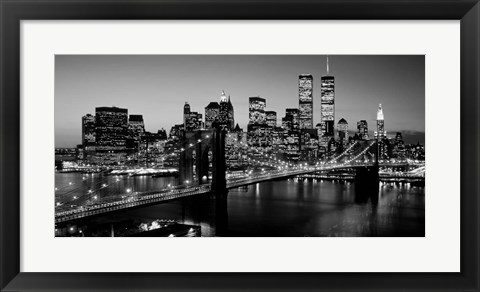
[143, 86]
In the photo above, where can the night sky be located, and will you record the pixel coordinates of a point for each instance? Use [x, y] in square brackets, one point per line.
[158, 86]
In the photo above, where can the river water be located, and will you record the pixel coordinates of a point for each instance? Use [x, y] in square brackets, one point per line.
[276, 208]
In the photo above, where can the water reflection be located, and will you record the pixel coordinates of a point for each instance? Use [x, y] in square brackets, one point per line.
[292, 208]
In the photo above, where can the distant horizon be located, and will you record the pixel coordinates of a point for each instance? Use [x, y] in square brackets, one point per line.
[157, 87]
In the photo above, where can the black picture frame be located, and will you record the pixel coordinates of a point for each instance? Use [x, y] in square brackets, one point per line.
[13, 11]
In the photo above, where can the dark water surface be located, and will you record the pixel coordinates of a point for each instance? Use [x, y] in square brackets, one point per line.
[276, 208]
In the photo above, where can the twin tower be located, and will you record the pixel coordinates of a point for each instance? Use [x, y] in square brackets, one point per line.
[327, 91]
[305, 96]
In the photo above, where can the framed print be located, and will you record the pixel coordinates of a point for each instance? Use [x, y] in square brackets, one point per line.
[275, 145]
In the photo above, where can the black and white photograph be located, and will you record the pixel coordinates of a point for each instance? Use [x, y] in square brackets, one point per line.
[239, 146]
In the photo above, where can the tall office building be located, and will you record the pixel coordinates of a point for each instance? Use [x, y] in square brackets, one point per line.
[193, 121]
[225, 116]
[328, 102]
[136, 126]
[186, 112]
[136, 131]
[294, 113]
[111, 128]
[271, 117]
[305, 101]
[256, 112]
[362, 127]
[342, 130]
[88, 132]
[381, 133]
[212, 110]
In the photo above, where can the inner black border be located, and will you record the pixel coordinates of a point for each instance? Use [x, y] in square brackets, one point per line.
[13, 11]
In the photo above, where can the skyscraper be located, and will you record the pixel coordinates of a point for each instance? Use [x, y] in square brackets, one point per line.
[287, 122]
[111, 128]
[362, 127]
[342, 130]
[136, 130]
[294, 113]
[88, 133]
[136, 126]
[211, 113]
[186, 112]
[256, 112]
[88, 130]
[305, 100]
[381, 133]
[271, 118]
[225, 116]
[193, 121]
[328, 102]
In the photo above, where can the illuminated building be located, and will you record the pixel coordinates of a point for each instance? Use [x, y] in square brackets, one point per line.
[256, 113]
[328, 103]
[291, 135]
[111, 128]
[309, 144]
[153, 146]
[236, 148]
[136, 126]
[175, 132]
[342, 130]
[362, 128]
[211, 113]
[136, 129]
[287, 122]
[381, 133]
[305, 100]
[225, 118]
[186, 112]
[88, 132]
[271, 117]
[399, 147]
[193, 121]
[294, 113]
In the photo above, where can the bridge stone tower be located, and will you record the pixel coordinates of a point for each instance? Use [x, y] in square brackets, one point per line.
[208, 155]
[219, 166]
[367, 179]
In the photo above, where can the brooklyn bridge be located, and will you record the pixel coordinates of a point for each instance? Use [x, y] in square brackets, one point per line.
[203, 171]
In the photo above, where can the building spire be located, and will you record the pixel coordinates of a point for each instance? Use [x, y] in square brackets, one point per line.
[223, 97]
[380, 112]
[328, 67]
